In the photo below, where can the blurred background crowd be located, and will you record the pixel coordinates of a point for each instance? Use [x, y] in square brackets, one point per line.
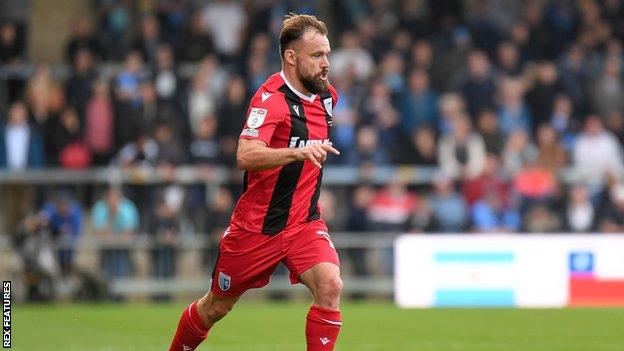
[516, 106]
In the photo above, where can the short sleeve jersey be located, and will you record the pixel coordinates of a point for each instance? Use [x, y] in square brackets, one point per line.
[282, 117]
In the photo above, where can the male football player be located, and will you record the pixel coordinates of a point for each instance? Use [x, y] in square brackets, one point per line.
[282, 147]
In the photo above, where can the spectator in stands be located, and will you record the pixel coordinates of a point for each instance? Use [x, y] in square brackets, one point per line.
[11, 52]
[391, 71]
[204, 148]
[451, 106]
[206, 88]
[615, 124]
[388, 125]
[358, 222]
[462, 153]
[44, 96]
[390, 211]
[141, 152]
[575, 72]
[78, 88]
[166, 80]
[479, 86]
[231, 113]
[513, 113]
[562, 120]
[420, 149]
[551, 154]
[367, 152]
[149, 41]
[65, 219]
[535, 185]
[99, 124]
[21, 148]
[165, 228]
[580, 214]
[508, 59]
[196, 43]
[68, 148]
[490, 214]
[489, 129]
[391, 207]
[541, 219]
[226, 21]
[82, 39]
[611, 218]
[351, 57]
[518, 151]
[418, 104]
[115, 220]
[542, 94]
[491, 180]
[449, 211]
[170, 149]
[596, 152]
[259, 65]
[608, 89]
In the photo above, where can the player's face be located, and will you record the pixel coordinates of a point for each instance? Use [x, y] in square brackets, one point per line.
[312, 62]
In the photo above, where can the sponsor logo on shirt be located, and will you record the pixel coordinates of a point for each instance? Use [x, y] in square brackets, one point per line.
[296, 142]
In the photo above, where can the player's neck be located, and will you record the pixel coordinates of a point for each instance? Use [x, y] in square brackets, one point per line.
[294, 82]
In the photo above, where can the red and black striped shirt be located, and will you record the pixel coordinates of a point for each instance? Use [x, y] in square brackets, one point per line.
[277, 198]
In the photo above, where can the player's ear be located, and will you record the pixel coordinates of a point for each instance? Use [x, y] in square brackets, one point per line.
[289, 57]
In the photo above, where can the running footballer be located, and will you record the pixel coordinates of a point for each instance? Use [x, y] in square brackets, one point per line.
[282, 147]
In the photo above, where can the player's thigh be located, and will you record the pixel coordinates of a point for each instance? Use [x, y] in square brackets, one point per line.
[246, 260]
[311, 246]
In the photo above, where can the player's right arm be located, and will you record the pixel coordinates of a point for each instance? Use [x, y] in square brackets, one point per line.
[255, 155]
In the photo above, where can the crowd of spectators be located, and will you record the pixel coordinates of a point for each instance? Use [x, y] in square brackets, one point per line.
[506, 98]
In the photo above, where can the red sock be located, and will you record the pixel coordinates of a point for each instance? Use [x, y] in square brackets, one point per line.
[322, 328]
[191, 330]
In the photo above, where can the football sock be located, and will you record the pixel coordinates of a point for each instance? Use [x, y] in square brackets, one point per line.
[322, 328]
[191, 330]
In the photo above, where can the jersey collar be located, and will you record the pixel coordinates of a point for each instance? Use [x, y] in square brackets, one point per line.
[299, 94]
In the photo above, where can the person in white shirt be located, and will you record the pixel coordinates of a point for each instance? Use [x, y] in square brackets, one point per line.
[596, 152]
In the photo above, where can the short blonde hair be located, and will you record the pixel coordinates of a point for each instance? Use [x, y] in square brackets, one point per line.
[295, 25]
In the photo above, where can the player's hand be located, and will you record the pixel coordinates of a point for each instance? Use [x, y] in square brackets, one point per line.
[317, 153]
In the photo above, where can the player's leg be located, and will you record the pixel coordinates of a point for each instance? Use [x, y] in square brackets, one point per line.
[313, 260]
[324, 319]
[246, 260]
[198, 318]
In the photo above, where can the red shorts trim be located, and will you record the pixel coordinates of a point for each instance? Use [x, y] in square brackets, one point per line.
[247, 260]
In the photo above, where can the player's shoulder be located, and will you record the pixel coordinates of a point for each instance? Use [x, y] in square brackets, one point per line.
[269, 93]
[333, 92]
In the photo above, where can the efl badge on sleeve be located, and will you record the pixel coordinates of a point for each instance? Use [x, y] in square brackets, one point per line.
[256, 117]
[224, 281]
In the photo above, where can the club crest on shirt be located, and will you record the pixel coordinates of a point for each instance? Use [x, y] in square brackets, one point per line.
[256, 117]
[224, 281]
[328, 106]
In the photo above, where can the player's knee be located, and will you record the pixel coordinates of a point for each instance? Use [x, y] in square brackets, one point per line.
[329, 289]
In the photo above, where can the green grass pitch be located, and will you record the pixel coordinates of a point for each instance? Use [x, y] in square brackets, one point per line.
[280, 327]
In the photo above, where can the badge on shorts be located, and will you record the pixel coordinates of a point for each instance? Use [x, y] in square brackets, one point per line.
[224, 281]
[256, 117]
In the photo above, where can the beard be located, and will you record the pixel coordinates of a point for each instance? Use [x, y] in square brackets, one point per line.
[313, 84]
